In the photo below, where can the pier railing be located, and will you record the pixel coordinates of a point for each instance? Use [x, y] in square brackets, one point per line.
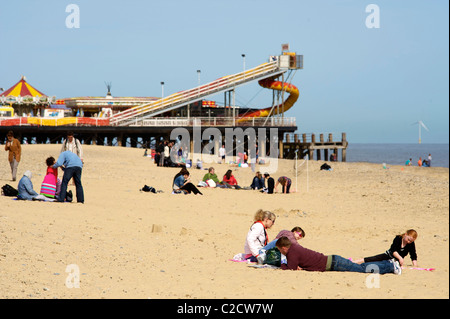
[214, 121]
[182, 98]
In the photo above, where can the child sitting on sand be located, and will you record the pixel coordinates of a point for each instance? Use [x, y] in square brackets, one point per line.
[401, 246]
[257, 235]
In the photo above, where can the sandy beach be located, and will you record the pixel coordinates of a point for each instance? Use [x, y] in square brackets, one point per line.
[132, 244]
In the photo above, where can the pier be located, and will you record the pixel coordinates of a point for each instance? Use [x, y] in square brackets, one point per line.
[309, 145]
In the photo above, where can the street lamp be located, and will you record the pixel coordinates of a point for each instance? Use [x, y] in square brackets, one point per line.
[162, 92]
[243, 57]
[198, 74]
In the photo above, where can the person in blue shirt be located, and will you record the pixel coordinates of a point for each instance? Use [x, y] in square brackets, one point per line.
[25, 187]
[183, 183]
[72, 166]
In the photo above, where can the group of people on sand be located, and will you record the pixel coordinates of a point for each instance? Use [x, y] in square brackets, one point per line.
[182, 182]
[293, 256]
[52, 188]
[420, 162]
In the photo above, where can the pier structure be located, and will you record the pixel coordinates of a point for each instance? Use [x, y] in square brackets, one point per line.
[309, 144]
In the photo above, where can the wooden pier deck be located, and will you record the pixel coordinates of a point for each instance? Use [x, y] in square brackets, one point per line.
[308, 144]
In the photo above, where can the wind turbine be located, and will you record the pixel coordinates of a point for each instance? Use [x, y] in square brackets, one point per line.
[421, 124]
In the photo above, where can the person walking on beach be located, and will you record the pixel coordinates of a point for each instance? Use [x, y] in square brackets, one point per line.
[72, 167]
[14, 149]
[300, 258]
[402, 245]
[72, 144]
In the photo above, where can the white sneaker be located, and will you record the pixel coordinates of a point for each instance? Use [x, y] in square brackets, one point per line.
[397, 267]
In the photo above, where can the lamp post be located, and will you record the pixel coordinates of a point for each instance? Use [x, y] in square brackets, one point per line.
[162, 92]
[198, 75]
[243, 58]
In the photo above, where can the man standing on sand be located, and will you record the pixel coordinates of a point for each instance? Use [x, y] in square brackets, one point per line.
[72, 144]
[15, 151]
[72, 167]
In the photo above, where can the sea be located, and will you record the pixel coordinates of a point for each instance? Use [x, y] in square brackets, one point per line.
[398, 154]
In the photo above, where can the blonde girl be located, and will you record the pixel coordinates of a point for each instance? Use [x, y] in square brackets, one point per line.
[257, 235]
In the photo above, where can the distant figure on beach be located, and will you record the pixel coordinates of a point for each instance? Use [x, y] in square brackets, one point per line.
[402, 245]
[300, 258]
[429, 160]
[270, 183]
[72, 144]
[159, 151]
[419, 162]
[408, 162]
[285, 183]
[258, 181]
[14, 153]
[73, 168]
[182, 183]
[222, 154]
[257, 236]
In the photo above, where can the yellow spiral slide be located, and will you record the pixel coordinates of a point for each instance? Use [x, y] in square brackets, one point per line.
[270, 83]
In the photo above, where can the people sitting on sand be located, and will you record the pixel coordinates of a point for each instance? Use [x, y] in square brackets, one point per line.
[270, 183]
[257, 236]
[211, 175]
[294, 235]
[419, 162]
[182, 184]
[258, 181]
[26, 191]
[229, 179]
[300, 258]
[402, 245]
[285, 183]
[409, 162]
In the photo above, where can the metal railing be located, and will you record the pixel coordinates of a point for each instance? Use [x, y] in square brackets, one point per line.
[176, 100]
[213, 121]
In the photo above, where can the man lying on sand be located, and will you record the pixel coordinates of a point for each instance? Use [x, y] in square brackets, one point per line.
[300, 258]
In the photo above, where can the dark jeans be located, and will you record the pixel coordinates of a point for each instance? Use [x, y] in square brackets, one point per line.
[342, 264]
[189, 187]
[70, 172]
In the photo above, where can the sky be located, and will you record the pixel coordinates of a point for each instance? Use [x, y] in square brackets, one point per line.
[371, 81]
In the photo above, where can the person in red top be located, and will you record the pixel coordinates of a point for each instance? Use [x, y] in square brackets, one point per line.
[230, 180]
[300, 258]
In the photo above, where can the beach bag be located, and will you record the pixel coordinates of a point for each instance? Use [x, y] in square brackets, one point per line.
[148, 189]
[325, 167]
[273, 257]
[8, 190]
